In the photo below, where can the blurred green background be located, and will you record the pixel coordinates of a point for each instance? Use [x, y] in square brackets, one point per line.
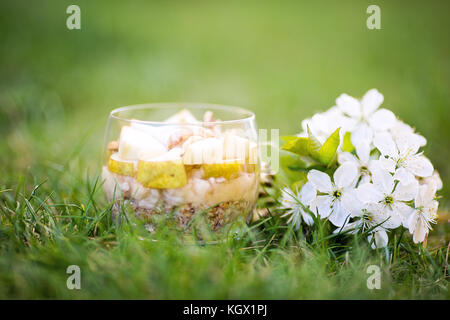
[285, 60]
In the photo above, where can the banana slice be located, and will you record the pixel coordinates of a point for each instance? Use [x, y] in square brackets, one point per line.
[135, 144]
[164, 172]
[201, 151]
[228, 170]
[122, 167]
[235, 147]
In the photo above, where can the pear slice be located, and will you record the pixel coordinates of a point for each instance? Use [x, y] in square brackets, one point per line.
[120, 166]
[135, 144]
[228, 169]
[203, 151]
[252, 160]
[253, 153]
[182, 117]
[154, 131]
[164, 172]
[235, 147]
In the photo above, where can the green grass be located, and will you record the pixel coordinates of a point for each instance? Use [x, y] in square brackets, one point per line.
[283, 60]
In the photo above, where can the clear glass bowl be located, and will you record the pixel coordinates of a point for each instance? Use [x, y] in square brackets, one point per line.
[184, 160]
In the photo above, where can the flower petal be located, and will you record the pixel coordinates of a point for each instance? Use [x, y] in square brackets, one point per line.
[345, 175]
[434, 179]
[412, 221]
[381, 238]
[408, 143]
[392, 222]
[321, 181]
[431, 209]
[346, 156]
[351, 203]
[425, 195]
[349, 105]
[339, 215]
[406, 192]
[383, 180]
[420, 231]
[384, 218]
[323, 205]
[307, 194]
[403, 211]
[352, 227]
[401, 128]
[419, 165]
[387, 164]
[371, 101]
[369, 193]
[307, 218]
[287, 199]
[385, 144]
[362, 139]
[382, 119]
[363, 152]
[404, 176]
[362, 134]
[365, 178]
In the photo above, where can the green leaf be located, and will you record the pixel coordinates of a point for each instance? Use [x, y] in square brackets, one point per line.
[297, 185]
[328, 151]
[347, 143]
[292, 167]
[313, 146]
[296, 145]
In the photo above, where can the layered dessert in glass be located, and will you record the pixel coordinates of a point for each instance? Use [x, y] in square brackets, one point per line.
[182, 160]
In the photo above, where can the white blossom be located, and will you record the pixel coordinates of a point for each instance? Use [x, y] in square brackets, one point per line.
[435, 179]
[399, 155]
[373, 220]
[367, 116]
[296, 204]
[334, 198]
[322, 125]
[425, 212]
[385, 182]
[389, 196]
[361, 161]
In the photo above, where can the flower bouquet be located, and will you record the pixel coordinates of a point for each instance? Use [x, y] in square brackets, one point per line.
[363, 170]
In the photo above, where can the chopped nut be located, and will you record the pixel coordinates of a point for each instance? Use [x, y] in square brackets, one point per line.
[259, 213]
[113, 146]
[208, 117]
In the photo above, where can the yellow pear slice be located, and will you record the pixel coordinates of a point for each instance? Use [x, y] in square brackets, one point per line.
[161, 174]
[164, 172]
[120, 166]
[228, 170]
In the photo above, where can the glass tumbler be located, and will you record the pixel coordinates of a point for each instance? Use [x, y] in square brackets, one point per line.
[182, 160]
